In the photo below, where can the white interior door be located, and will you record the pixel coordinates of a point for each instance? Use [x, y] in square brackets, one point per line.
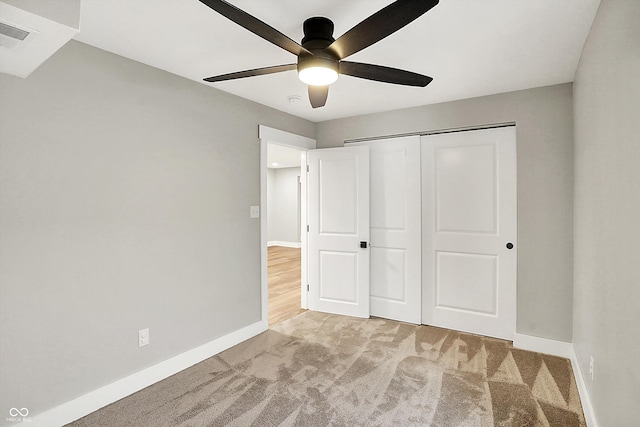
[469, 224]
[338, 267]
[395, 228]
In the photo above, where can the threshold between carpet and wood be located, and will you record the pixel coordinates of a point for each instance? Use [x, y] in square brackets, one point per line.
[320, 369]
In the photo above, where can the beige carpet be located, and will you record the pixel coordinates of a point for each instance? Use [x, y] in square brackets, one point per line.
[320, 369]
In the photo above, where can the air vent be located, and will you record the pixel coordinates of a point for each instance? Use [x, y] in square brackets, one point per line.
[13, 32]
[11, 36]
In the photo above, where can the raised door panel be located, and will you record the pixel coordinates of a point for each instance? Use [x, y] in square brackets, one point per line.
[338, 192]
[338, 277]
[466, 189]
[388, 275]
[467, 282]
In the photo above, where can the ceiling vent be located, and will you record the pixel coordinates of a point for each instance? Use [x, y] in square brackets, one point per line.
[27, 39]
[11, 36]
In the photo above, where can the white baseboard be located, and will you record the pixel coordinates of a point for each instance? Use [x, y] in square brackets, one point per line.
[543, 345]
[90, 402]
[589, 414]
[561, 349]
[285, 244]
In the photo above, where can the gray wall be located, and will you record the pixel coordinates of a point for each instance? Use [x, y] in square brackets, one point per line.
[283, 208]
[544, 126]
[125, 195]
[607, 212]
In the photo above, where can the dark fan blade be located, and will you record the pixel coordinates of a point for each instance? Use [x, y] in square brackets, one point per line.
[318, 95]
[379, 25]
[251, 73]
[255, 25]
[383, 74]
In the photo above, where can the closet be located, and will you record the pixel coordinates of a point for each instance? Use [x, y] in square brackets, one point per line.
[440, 244]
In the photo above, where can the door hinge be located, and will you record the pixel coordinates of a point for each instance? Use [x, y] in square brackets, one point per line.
[307, 228]
[307, 168]
[307, 287]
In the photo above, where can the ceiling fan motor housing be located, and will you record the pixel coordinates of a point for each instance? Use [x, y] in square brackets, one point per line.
[318, 35]
[316, 29]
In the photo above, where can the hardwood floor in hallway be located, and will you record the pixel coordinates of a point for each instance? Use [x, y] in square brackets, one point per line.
[284, 283]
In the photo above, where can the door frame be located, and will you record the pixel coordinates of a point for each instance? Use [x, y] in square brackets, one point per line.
[279, 137]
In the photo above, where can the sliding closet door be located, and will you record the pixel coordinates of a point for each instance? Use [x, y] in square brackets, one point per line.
[469, 231]
[395, 228]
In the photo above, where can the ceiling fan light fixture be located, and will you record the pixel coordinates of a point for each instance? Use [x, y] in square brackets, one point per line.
[318, 76]
[317, 71]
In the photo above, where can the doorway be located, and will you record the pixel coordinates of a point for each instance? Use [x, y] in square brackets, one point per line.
[283, 232]
[282, 207]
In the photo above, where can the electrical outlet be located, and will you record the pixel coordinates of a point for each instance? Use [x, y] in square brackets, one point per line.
[143, 337]
[254, 211]
[591, 367]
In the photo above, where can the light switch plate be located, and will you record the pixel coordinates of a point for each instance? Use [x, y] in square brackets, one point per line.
[143, 337]
[254, 212]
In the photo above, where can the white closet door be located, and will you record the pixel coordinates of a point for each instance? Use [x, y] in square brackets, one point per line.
[395, 228]
[470, 230]
[338, 266]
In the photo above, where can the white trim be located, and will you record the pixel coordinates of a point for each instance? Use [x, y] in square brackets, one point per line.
[280, 137]
[543, 345]
[587, 408]
[264, 256]
[285, 244]
[304, 234]
[566, 350]
[92, 401]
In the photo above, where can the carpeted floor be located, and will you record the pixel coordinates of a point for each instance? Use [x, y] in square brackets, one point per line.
[321, 369]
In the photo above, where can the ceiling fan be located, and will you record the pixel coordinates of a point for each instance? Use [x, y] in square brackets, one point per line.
[321, 57]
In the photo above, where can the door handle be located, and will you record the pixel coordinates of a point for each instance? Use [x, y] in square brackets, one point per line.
[363, 245]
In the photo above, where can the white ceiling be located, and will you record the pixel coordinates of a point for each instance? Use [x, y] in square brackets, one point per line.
[470, 47]
[282, 156]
